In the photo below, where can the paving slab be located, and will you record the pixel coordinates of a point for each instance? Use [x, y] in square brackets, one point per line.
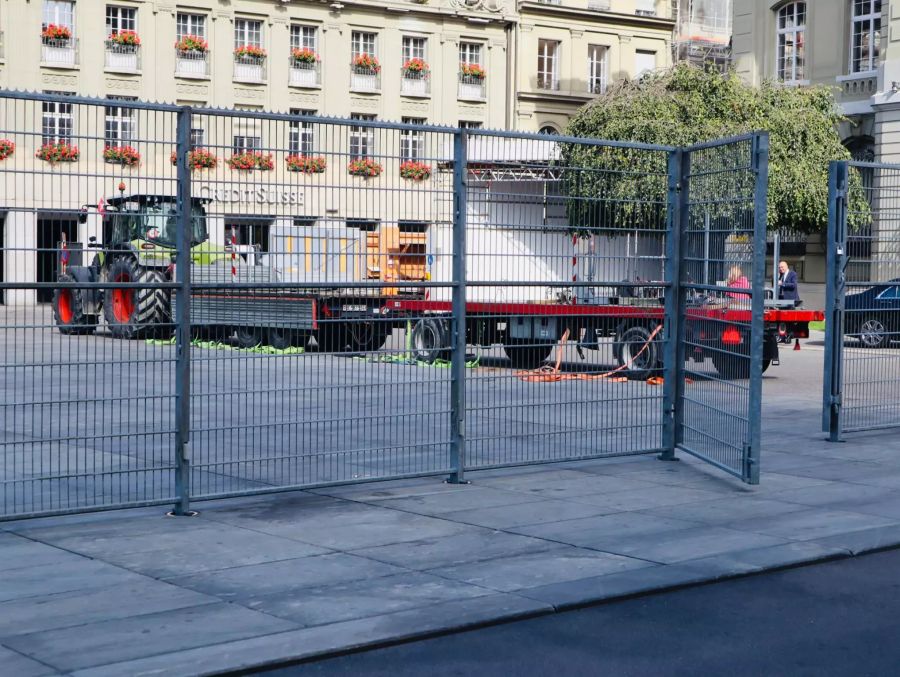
[808, 525]
[19, 551]
[14, 663]
[523, 514]
[80, 573]
[118, 640]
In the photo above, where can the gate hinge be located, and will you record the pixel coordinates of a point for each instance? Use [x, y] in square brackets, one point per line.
[836, 400]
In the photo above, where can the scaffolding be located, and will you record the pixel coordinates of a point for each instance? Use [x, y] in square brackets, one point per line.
[703, 32]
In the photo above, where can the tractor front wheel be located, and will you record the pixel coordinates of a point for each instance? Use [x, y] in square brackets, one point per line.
[68, 309]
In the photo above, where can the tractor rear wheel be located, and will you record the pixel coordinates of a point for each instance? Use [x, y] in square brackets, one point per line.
[68, 310]
[135, 313]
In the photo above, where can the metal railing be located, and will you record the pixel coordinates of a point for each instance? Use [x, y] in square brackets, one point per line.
[414, 83]
[471, 88]
[250, 69]
[122, 58]
[202, 330]
[62, 53]
[862, 325]
[547, 82]
[191, 64]
[364, 79]
[304, 74]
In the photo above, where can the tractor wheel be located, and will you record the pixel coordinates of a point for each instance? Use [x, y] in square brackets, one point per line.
[527, 353]
[430, 341]
[135, 313]
[68, 310]
[248, 337]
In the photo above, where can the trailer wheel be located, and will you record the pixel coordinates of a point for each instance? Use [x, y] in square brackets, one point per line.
[731, 366]
[367, 335]
[331, 337]
[68, 310]
[527, 353]
[430, 341]
[248, 337]
[630, 350]
[132, 313]
[281, 338]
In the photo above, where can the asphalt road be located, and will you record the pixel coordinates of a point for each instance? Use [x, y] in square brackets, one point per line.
[837, 618]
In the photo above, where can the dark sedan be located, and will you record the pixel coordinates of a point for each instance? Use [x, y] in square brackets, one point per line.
[873, 316]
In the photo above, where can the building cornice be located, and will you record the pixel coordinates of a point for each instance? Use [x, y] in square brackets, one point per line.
[596, 16]
[556, 97]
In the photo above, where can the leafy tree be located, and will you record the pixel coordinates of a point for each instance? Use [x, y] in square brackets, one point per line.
[686, 105]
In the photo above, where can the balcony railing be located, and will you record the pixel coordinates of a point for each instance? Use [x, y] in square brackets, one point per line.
[59, 52]
[599, 5]
[123, 58]
[414, 84]
[471, 88]
[191, 64]
[250, 69]
[303, 74]
[364, 79]
[548, 82]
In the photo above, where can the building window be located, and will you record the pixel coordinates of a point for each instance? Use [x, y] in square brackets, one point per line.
[865, 44]
[190, 24]
[366, 225]
[548, 64]
[304, 37]
[301, 134]
[362, 139]
[412, 141]
[363, 43]
[469, 124]
[549, 130]
[120, 19]
[247, 32]
[598, 68]
[791, 59]
[246, 144]
[56, 121]
[414, 48]
[470, 52]
[59, 12]
[305, 221]
[198, 138]
[644, 62]
[121, 123]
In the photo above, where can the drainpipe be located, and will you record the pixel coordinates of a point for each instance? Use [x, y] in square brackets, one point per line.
[512, 40]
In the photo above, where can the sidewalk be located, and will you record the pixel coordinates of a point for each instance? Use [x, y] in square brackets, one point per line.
[254, 581]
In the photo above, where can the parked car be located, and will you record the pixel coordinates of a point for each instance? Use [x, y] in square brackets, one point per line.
[873, 316]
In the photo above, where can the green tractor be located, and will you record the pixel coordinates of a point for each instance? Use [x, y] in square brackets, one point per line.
[139, 245]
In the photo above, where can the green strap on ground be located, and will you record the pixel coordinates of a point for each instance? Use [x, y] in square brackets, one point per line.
[218, 345]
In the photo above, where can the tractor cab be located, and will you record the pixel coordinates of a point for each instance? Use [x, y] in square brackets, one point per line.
[153, 219]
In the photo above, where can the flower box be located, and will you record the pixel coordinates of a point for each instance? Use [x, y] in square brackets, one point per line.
[305, 164]
[192, 43]
[250, 160]
[124, 39]
[127, 156]
[249, 53]
[54, 33]
[472, 71]
[304, 55]
[57, 152]
[364, 167]
[7, 148]
[199, 158]
[415, 171]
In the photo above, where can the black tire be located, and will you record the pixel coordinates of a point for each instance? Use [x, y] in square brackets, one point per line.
[331, 337]
[209, 333]
[281, 338]
[68, 310]
[766, 364]
[366, 335]
[248, 337]
[430, 341]
[629, 348]
[731, 366]
[136, 313]
[873, 333]
[527, 353]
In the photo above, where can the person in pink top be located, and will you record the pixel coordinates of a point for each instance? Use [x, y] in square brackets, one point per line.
[738, 280]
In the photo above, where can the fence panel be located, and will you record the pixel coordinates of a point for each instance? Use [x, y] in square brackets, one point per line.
[565, 280]
[863, 326]
[88, 420]
[721, 344]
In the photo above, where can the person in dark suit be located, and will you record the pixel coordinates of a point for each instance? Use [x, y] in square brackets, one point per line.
[787, 283]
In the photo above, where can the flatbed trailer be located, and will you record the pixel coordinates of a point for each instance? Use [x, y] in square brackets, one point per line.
[528, 331]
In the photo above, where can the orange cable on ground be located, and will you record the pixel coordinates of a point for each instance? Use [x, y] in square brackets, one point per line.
[548, 374]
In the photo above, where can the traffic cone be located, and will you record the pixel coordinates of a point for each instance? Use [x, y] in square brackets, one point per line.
[796, 344]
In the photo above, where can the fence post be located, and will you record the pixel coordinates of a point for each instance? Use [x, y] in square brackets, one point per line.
[458, 359]
[760, 160]
[673, 381]
[182, 318]
[836, 255]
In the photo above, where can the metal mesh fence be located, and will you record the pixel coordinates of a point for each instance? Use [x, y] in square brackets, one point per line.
[862, 361]
[202, 303]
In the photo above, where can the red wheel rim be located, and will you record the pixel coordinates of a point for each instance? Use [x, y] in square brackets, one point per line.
[64, 306]
[123, 300]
